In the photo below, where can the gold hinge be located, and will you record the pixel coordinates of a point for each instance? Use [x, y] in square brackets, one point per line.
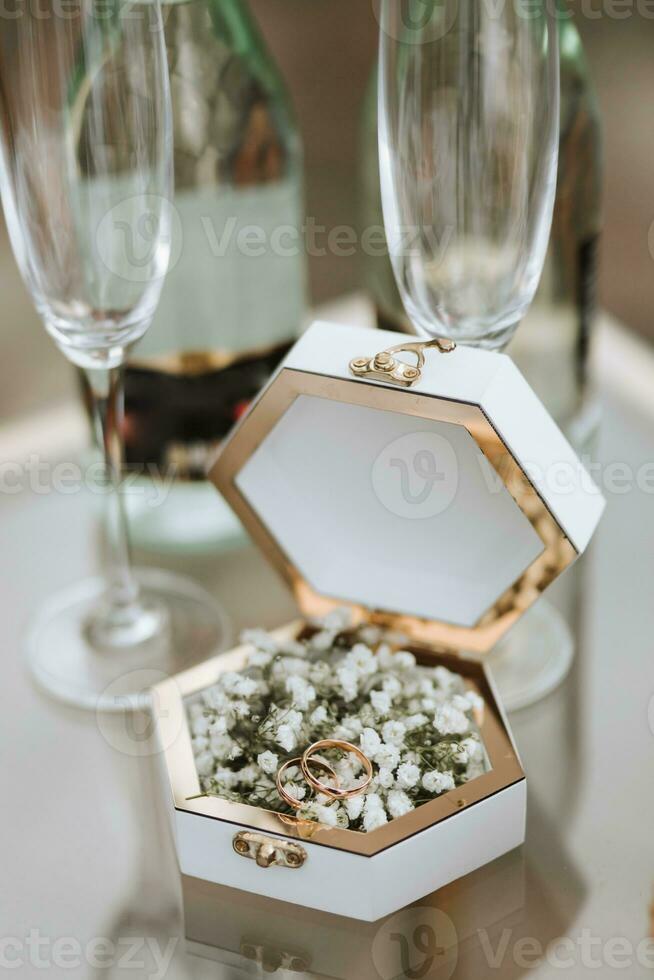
[269, 852]
[385, 367]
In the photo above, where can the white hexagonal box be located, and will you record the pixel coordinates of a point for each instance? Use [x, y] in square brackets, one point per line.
[427, 491]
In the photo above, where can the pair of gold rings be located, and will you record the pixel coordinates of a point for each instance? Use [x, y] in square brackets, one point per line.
[310, 763]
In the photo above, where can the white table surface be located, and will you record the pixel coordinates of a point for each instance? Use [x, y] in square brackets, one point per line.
[85, 848]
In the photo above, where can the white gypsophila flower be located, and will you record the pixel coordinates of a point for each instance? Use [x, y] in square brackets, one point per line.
[409, 692]
[394, 733]
[345, 771]
[285, 667]
[385, 656]
[327, 815]
[229, 681]
[362, 660]
[268, 762]
[473, 747]
[263, 641]
[387, 756]
[370, 635]
[381, 702]
[300, 691]
[295, 648]
[219, 725]
[216, 699]
[444, 677]
[248, 775]
[476, 767]
[369, 742]
[286, 737]
[320, 813]
[349, 683]
[337, 619]
[393, 687]
[426, 687]
[221, 746]
[374, 802]
[411, 756]
[294, 718]
[348, 730]
[408, 775]
[398, 803]
[353, 725]
[354, 807]
[367, 716]
[260, 659]
[195, 710]
[241, 709]
[200, 744]
[438, 782]
[403, 660]
[225, 777]
[200, 725]
[319, 715]
[459, 755]
[374, 814]
[205, 763]
[320, 673]
[450, 721]
[412, 722]
[342, 818]
[295, 790]
[475, 701]
[385, 777]
[322, 642]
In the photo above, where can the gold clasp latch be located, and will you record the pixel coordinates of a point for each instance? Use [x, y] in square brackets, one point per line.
[385, 367]
[271, 959]
[268, 851]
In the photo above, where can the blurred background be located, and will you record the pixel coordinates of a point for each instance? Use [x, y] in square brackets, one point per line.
[326, 50]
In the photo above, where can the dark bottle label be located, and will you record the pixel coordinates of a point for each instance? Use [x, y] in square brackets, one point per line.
[177, 414]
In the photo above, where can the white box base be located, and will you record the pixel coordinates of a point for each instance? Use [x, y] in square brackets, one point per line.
[365, 888]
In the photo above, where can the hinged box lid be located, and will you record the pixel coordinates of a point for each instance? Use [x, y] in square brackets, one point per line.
[441, 501]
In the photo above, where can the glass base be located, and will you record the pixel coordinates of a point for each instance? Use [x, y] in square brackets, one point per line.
[192, 518]
[66, 665]
[534, 658]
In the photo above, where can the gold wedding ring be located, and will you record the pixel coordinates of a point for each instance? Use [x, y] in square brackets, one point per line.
[318, 764]
[309, 758]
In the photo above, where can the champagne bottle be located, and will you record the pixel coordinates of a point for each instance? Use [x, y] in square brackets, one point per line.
[233, 300]
[551, 346]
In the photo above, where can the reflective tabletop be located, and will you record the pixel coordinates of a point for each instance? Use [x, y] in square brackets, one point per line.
[90, 885]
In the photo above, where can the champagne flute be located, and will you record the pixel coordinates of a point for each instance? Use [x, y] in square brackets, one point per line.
[468, 144]
[468, 129]
[86, 180]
